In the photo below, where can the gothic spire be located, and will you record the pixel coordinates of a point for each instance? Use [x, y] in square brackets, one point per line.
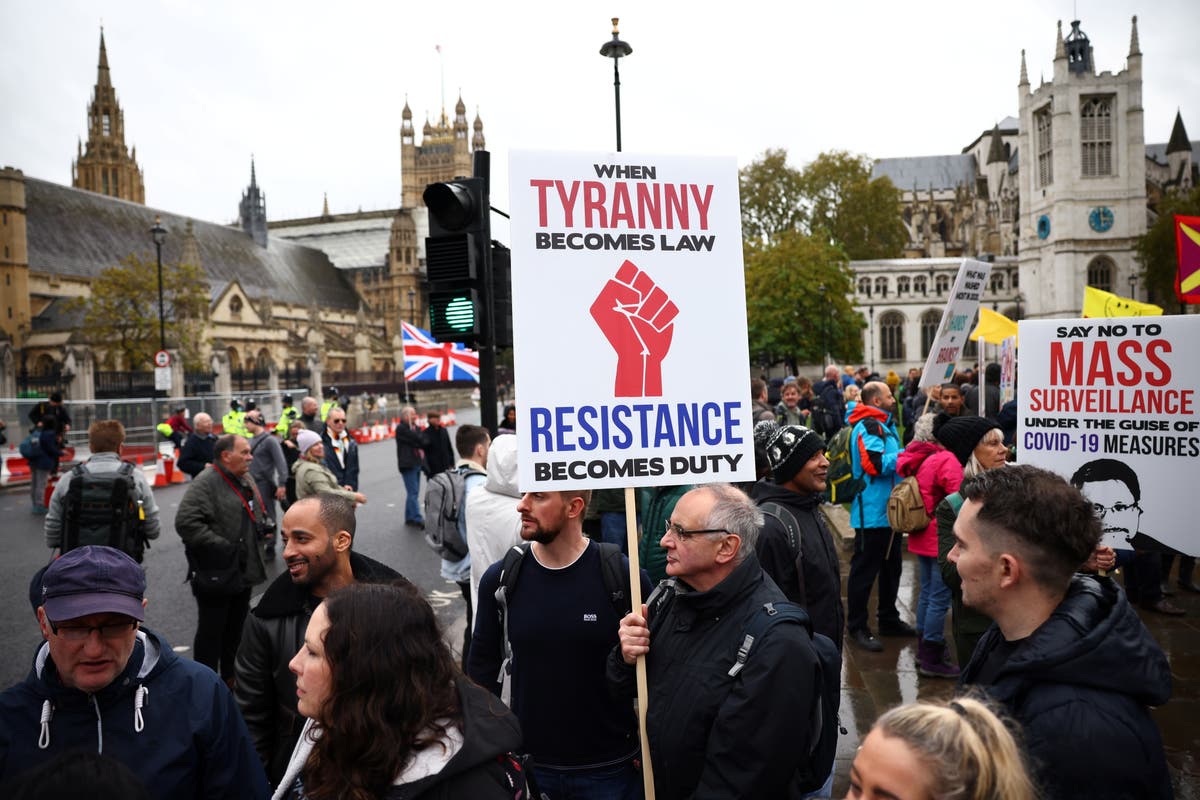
[1135, 49]
[1024, 74]
[996, 150]
[102, 75]
[1179, 138]
[1060, 47]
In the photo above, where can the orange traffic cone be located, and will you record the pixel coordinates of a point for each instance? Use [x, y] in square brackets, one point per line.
[160, 474]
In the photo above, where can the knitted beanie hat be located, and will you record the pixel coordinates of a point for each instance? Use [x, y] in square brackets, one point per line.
[306, 439]
[961, 435]
[790, 449]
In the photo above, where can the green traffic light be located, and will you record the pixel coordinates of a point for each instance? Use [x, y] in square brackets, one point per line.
[460, 314]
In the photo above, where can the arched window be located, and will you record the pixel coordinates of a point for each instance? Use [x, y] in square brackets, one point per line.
[942, 284]
[864, 286]
[1096, 136]
[881, 286]
[920, 285]
[929, 328]
[903, 285]
[997, 281]
[1044, 146]
[891, 336]
[235, 306]
[1100, 273]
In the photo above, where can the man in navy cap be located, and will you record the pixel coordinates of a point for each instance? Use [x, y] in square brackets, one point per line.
[102, 683]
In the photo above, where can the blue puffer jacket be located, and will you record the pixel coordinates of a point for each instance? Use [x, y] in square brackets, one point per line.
[874, 450]
[48, 453]
[1081, 686]
[170, 720]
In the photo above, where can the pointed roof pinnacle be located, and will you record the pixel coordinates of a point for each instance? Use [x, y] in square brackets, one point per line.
[253, 181]
[1135, 49]
[1179, 138]
[996, 150]
[1024, 74]
[102, 74]
[1060, 47]
[325, 207]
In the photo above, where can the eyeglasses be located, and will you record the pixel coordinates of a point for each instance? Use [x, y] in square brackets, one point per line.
[1115, 508]
[78, 633]
[337, 421]
[681, 533]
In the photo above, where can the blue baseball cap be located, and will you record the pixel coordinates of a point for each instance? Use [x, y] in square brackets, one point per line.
[93, 580]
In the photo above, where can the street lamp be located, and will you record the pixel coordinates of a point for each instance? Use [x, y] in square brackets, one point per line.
[159, 234]
[871, 332]
[616, 50]
[824, 347]
[1133, 286]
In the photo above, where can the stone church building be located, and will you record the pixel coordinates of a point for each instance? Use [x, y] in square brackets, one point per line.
[292, 303]
[1056, 197]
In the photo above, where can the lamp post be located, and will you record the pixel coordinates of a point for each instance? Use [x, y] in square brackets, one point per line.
[412, 313]
[824, 347]
[1133, 286]
[616, 50]
[871, 333]
[159, 234]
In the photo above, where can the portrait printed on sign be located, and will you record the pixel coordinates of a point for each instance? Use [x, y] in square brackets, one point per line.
[629, 320]
[1112, 405]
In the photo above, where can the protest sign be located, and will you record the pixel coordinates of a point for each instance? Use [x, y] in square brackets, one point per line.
[629, 321]
[1113, 406]
[956, 322]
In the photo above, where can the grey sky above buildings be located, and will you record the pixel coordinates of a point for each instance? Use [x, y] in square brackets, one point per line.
[314, 91]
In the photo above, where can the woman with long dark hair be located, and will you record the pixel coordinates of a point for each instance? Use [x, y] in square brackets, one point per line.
[390, 715]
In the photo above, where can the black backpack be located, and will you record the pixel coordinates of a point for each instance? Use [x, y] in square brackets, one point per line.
[824, 724]
[613, 569]
[102, 508]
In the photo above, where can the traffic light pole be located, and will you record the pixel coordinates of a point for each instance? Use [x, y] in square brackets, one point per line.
[488, 416]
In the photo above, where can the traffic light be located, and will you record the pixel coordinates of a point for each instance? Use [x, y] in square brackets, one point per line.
[502, 294]
[459, 241]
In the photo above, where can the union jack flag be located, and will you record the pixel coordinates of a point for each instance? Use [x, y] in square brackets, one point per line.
[427, 360]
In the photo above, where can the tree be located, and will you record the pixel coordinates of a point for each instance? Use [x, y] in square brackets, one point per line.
[789, 318]
[771, 198]
[122, 312]
[1156, 248]
[847, 208]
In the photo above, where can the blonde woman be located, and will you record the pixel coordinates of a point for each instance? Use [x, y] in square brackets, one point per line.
[960, 750]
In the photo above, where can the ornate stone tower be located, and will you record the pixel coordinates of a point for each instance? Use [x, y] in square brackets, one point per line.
[444, 152]
[1083, 177]
[106, 165]
[252, 211]
[14, 256]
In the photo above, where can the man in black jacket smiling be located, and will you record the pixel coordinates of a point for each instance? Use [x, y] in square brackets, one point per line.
[318, 534]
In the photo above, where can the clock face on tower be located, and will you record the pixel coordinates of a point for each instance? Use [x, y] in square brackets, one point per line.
[1100, 218]
[1043, 226]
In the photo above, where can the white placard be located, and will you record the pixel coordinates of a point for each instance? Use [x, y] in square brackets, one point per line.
[955, 327]
[1114, 406]
[629, 321]
[162, 379]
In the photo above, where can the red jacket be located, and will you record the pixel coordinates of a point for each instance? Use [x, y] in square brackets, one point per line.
[938, 475]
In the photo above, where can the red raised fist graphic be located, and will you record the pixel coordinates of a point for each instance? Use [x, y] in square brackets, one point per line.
[638, 320]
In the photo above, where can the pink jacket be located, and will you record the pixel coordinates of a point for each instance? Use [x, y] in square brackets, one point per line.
[939, 475]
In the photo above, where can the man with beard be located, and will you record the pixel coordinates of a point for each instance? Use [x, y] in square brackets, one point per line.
[561, 624]
[318, 539]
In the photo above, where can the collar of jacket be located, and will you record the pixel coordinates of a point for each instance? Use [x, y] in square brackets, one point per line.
[863, 411]
[745, 578]
[283, 598]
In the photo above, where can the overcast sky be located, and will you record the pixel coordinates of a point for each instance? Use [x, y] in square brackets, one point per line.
[315, 90]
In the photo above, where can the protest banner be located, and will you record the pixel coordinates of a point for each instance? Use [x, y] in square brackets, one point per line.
[629, 321]
[1008, 369]
[956, 320]
[1113, 405]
